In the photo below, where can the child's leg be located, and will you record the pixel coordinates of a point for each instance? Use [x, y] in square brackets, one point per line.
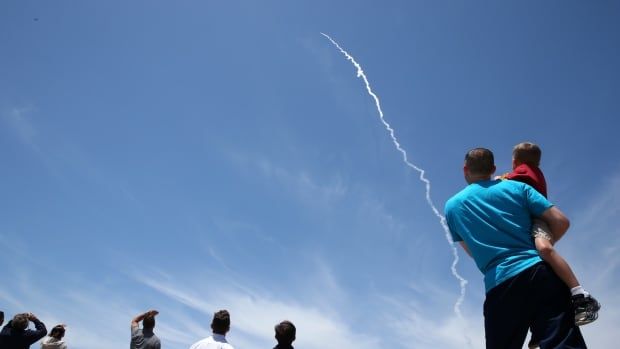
[544, 244]
[557, 263]
[585, 306]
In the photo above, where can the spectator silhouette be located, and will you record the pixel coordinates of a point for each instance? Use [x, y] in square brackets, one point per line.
[1, 317]
[54, 340]
[220, 326]
[16, 335]
[144, 338]
[285, 335]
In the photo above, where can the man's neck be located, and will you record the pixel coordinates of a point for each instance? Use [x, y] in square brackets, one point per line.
[283, 346]
[474, 179]
[219, 337]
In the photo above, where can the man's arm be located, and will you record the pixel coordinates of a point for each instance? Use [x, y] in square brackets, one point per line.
[135, 322]
[556, 220]
[40, 330]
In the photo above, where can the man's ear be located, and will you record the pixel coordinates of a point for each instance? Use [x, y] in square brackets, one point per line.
[466, 173]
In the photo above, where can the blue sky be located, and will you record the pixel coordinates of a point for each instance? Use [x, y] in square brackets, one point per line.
[191, 156]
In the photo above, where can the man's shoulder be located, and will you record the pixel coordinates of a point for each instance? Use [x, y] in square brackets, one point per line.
[154, 339]
[458, 197]
[484, 189]
[202, 343]
[136, 332]
[461, 196]
[5, 330]
[153, 342]
[511, 184]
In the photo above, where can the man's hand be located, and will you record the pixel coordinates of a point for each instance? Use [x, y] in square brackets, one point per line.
[141, 317]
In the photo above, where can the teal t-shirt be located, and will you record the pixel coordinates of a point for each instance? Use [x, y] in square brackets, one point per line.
[493, 217]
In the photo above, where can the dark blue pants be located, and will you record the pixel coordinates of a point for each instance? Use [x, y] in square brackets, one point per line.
[535, 298]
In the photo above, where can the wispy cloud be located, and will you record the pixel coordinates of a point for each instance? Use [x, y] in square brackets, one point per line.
[19, 122]
[417, 321]
[254, 314]
[302, 183]
[592, 248]
[64, 159]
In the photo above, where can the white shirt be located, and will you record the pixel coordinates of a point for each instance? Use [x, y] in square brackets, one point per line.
[53, 343]
[216, 341]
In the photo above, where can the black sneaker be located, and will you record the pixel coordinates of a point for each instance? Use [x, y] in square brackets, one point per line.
[586, 309]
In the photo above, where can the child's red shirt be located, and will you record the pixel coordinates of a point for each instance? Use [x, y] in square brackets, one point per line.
[531, 175]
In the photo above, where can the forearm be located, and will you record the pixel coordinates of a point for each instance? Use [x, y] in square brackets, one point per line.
[558, 223]
[39, 332]
[141, 317]
[136, 320]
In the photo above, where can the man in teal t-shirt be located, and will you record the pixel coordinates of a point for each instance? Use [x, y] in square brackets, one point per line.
[491, 219]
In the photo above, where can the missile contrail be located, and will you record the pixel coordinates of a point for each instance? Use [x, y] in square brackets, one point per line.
[442, 219]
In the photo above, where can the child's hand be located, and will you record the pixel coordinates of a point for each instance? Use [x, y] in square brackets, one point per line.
[502, 177]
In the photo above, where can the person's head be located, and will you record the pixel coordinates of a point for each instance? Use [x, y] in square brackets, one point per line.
[148, 323]
[479, 165]
[1, 317]
[221, 322]
[526, 153]
[58, 331]
[285, 332]
[20, 322]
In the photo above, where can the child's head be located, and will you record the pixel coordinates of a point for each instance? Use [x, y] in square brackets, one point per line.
[526, 153]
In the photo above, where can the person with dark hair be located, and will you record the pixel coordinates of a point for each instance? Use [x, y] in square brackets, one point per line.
[54, 340]
[220, 326]
[144, 338]
[16, 335]
[285, 335]
[491, 219]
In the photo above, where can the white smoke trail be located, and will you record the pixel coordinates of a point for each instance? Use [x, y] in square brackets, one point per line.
[442, 219]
